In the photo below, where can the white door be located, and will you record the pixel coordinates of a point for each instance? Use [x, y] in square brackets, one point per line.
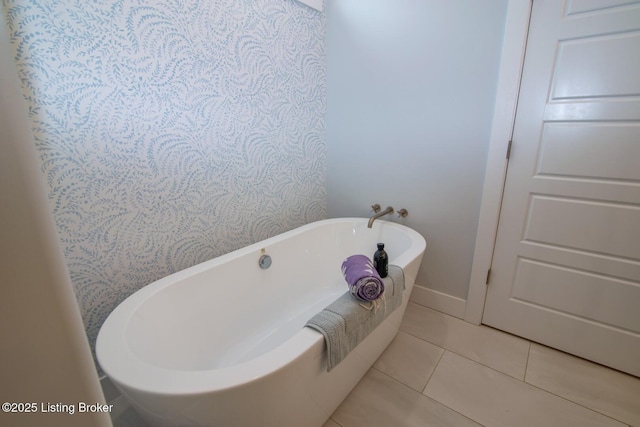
[566, 266]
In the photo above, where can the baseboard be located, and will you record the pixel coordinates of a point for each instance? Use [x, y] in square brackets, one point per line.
[439, 301]
[122, 409]
[110, 391]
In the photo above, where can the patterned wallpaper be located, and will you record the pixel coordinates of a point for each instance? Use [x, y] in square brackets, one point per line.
[171, 131]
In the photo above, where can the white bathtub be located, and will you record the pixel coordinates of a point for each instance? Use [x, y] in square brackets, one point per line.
[223, 343]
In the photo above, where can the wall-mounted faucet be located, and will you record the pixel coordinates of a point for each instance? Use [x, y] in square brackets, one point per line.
[379, 214]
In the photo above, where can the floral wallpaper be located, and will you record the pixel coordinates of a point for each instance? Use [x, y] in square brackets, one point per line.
[171, 131]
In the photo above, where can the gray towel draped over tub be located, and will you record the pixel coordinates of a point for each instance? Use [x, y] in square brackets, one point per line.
[347, 321]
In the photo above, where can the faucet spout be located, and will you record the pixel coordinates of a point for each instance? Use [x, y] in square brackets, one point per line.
[378, 215]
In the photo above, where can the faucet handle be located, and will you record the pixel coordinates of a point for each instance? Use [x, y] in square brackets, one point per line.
[376, 208]
[403, 213]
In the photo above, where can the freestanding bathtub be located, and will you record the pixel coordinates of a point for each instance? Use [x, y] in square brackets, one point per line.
[223, 343]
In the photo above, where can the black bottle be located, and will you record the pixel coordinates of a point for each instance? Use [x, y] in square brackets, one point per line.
[381, 261]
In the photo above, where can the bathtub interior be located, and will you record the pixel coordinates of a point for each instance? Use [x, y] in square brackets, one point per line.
[228, 311]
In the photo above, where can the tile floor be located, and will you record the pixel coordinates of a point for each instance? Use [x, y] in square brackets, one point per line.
[442, 371]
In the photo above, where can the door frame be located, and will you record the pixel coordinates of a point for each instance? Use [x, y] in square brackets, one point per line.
[510, 73]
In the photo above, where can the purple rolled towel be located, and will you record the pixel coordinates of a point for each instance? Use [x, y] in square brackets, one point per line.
[364, 281]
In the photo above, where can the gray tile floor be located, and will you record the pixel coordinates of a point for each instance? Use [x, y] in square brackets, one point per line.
[442, 371]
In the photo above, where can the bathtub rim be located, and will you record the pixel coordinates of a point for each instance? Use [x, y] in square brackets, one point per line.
[127, 370]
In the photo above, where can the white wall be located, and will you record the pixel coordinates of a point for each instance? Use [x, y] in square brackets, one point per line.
[44, 352]
[411, 90]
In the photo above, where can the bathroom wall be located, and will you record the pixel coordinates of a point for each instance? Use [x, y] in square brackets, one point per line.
[411, 89]
[38, 308]
[170, 132]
